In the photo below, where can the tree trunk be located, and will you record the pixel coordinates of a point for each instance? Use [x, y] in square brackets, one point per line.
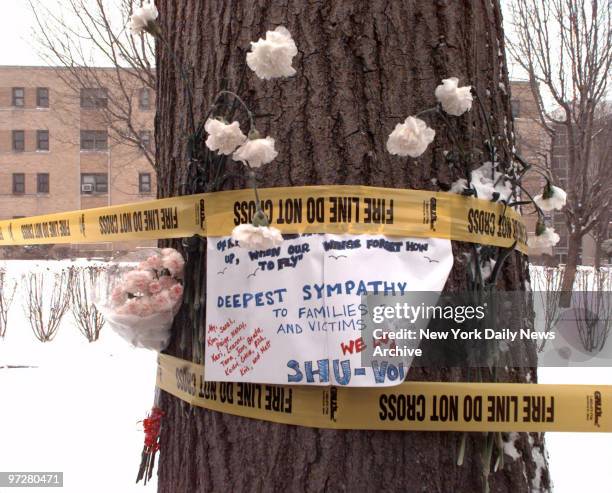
[362, 67]
[574, 242]
[597, 256]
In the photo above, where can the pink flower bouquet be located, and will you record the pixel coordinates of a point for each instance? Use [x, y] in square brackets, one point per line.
[143, 295]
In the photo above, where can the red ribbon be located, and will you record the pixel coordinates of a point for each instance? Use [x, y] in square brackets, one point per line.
[152, 426]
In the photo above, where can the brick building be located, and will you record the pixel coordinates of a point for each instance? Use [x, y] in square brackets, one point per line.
[56, 150]
[560, 170]
[533, 144]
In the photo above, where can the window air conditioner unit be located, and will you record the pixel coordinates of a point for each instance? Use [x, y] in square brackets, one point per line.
[87, 187]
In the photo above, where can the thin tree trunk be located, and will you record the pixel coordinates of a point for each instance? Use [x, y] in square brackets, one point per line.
[362, 67]
[574, 243]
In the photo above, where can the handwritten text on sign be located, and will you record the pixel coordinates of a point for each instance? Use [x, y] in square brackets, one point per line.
[292, 314]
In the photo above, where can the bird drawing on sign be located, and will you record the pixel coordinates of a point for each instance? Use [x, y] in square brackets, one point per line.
[337, 256]
[431, 260]
[222, 271]
[253, 273]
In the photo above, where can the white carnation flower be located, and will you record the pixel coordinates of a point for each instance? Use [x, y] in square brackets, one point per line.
[410, 138]
[222, 137]
[256, 152]
[552, 198]
[142, 16]
[546, 239]
[257, 237]
[271, 57]
[454, 100]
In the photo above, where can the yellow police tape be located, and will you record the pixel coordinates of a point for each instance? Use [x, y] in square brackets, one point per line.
[424, 406]
[314, 209]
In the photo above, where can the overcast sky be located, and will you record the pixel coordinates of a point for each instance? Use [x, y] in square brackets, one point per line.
[16, 24]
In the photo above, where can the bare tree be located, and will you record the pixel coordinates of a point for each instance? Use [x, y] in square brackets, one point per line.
[7, 293]
[548, 292]
[87, 316]
[565, 46]
[89, 43]
[46, 303]
[593, 303]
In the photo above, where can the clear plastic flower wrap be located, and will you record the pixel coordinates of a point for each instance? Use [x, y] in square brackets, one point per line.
[142, 294]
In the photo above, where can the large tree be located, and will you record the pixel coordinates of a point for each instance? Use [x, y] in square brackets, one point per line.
[362, 67]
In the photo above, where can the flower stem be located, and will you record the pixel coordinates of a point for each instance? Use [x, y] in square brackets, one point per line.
[254, 186]
[433, 109]
[489, 131]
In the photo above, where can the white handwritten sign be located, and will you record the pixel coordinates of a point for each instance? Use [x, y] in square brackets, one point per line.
[292, 314]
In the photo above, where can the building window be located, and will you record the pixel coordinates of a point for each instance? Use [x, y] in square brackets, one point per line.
[18, 183]
[144, 182]
[563, 239]
[94, 183]
[42, 183]
[18, 97]
[515, 106]
[559, 140]
[42, 140]
[42, 97]
[18, 140]
[559, 163]
[145, 139]
[144, 99]
[94, 140]
[94, 97]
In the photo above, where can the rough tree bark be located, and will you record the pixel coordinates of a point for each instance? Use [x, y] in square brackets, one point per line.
[362, 67]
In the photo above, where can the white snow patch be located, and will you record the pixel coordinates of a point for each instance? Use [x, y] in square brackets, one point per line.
[486, 180]
[540, 463]
[486, 268]
[78, 411]
[510, 448]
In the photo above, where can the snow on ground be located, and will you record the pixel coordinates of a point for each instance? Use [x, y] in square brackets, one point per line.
[578, 461]
[78, 411]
